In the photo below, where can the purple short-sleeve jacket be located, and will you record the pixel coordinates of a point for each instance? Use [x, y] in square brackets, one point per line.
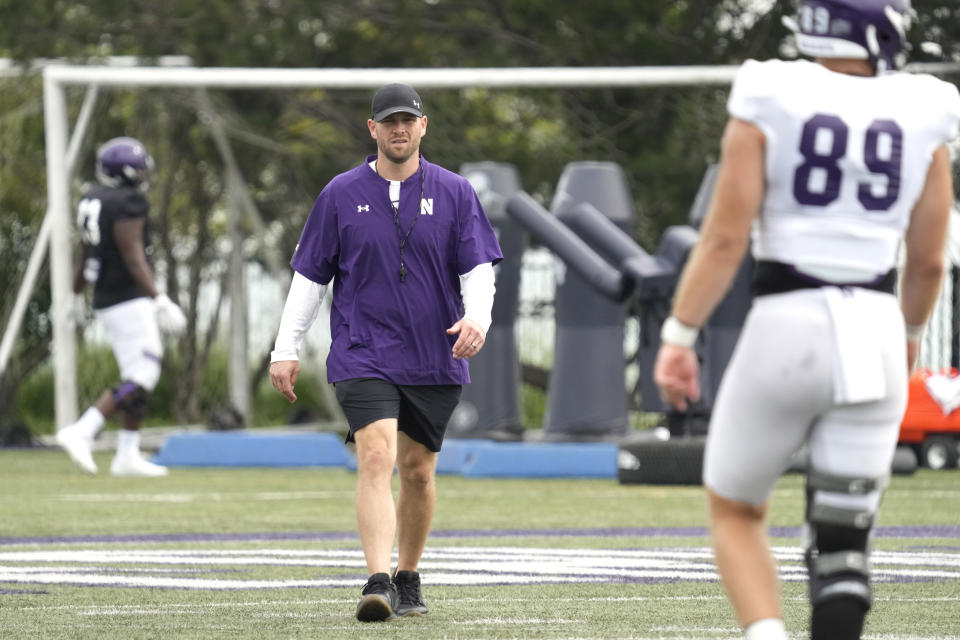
[382, 327]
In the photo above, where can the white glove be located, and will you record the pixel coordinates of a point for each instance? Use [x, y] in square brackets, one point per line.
[170, 317]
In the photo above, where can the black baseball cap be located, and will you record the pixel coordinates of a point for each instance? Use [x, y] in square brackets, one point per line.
[394, 98]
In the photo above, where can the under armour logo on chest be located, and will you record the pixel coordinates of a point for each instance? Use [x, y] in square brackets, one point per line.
[363, 207]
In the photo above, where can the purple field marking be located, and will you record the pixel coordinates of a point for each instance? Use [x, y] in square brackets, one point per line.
[896, 531]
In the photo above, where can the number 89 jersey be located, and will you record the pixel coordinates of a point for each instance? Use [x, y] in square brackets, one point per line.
[846, 159]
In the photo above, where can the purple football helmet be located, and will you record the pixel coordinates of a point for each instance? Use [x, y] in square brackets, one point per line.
[873, 30]
[123, 161]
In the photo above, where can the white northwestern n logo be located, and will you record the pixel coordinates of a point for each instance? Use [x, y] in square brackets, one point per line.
[426, 206]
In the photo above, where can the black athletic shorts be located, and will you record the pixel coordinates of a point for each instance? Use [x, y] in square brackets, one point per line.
[422, 411]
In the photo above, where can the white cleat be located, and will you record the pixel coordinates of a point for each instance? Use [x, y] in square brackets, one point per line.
[79, 447]
[136, 466]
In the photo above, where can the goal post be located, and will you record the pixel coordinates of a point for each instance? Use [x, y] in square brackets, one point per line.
[58, 77]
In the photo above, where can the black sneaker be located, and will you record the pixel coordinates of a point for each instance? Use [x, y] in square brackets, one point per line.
[410, 598]
[379, 600]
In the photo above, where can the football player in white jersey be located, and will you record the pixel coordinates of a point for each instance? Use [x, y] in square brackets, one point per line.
[827, 168]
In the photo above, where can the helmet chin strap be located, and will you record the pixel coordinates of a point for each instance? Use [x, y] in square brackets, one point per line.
[873, 46]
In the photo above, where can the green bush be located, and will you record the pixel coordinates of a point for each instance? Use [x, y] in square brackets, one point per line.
[534, 401]
[34, 401]
[270, 408]
[97, 370]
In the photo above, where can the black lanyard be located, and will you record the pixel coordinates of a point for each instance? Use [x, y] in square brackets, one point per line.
[396, 220]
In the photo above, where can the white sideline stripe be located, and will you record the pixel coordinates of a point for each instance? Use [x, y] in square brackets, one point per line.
[436, 556]
[601, 567]
[615, 557]
[443, 566]
[918, 558]
[441, 557]
[924, 558]
[99, 579]
[190, 605]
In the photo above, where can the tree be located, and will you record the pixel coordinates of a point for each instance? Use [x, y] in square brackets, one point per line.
[288, 144]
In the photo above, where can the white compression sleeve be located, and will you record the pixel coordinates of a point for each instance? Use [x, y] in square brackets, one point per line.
[477, 288]
[299, 312]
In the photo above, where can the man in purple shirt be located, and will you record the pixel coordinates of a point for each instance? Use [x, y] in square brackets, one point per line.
[410, 253]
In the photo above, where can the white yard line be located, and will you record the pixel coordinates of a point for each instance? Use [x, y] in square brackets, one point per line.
[187, 606]
[442, 565]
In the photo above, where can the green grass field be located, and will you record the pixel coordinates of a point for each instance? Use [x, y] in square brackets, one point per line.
[271, 553]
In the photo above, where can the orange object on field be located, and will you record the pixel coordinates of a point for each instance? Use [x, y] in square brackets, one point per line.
[933, 434]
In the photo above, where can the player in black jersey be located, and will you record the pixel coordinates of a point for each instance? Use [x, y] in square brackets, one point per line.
[112, 219]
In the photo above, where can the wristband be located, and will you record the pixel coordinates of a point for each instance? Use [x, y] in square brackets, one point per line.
[914, 332]
[676, 333]
[280, 355]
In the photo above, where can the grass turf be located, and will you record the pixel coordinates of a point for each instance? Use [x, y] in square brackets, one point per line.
[42, 496]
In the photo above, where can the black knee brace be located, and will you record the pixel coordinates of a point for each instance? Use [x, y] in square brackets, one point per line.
[131, 398]
[837, 556]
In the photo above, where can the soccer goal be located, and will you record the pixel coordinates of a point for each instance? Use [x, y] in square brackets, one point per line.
[58, 78]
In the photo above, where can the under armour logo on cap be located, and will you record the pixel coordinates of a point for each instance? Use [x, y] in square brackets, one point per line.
[396, 98]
